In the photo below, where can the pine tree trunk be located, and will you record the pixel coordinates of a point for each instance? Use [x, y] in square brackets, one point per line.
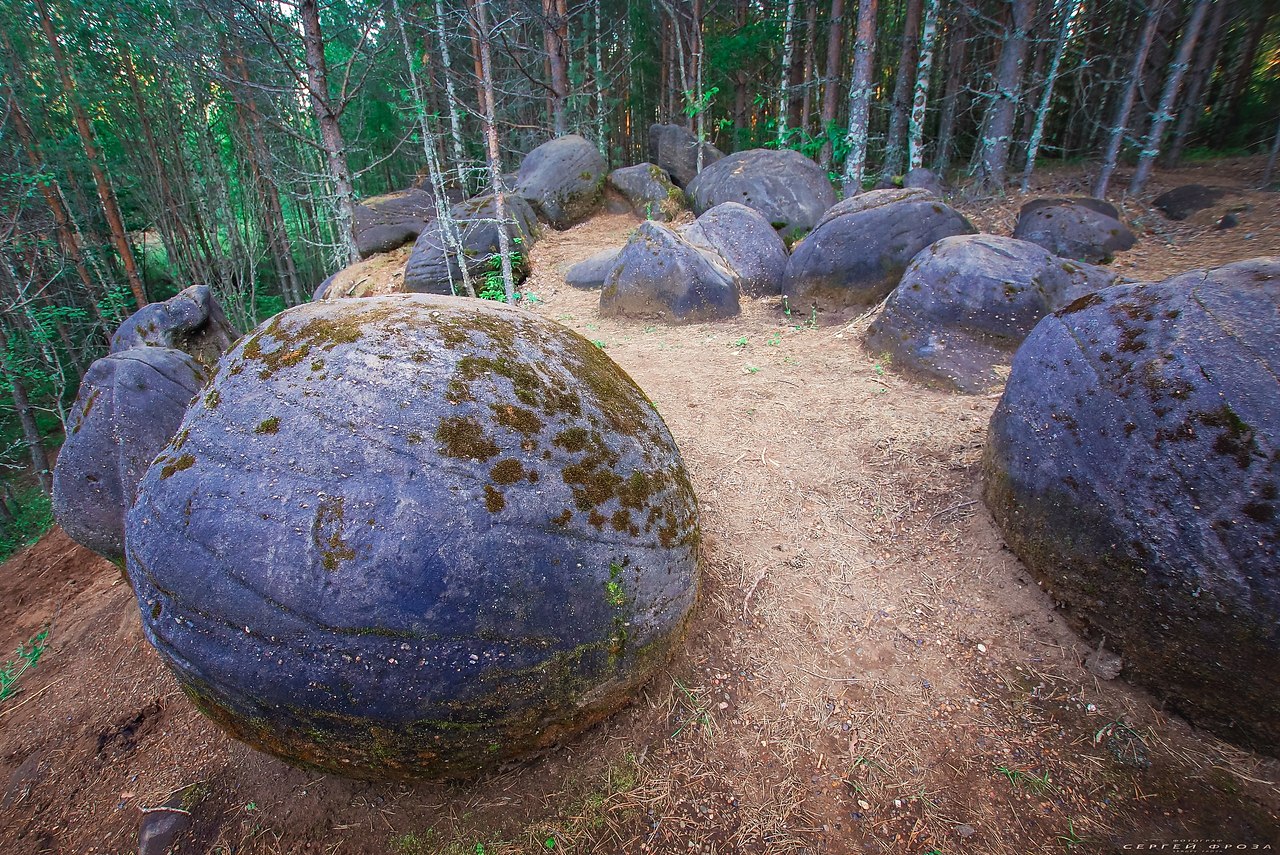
[602, 138]
[807, 71]
[1226, 119]
[957, 40]
[480, 29]
[106, 195]
[1046, 95]
[904, 79]
[1197, 85]
[1125, 105]
[335, 147]
[860, 97]
[555, 35]
[831, 83]
[26, 419]
[998, 119]
[1164, 113]
[920, 97]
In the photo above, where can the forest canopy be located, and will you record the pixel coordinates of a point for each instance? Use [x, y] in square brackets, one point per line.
[148, 145]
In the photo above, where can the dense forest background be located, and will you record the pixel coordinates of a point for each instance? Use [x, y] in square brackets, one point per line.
[146, 145]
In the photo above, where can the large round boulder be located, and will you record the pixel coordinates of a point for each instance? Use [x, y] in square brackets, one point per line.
[747, 243]
[1074, 228]
[659, 274]
[392, 220]
[416, 536]
[648, 191]
[789, 189]
[562, 180]
[1181, 202]
[675, 149]
[861, 246]
[191, 321]
[435, 265]
[965, 304]
[1133, 464]
[129, 406]
[924, 179]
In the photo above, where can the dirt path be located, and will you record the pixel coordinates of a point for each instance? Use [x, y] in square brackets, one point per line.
[870, 670]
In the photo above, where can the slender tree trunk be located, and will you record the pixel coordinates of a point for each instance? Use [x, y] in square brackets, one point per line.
[26, 419]
[1164, 113]
[864, 52]
[1270, 171]
[831, 83]
[602, 137]
[696, 50]
[1046, 96]
[106, 195]
[335, 147]
[902, 85]
[957, 39]
[920, 98]
[451, 97]
[784, 91]
[998, 119]
[481, 30]
[1197, 85]
[555, 36]
[1233, 98]
[807, 72]
[1121, 119]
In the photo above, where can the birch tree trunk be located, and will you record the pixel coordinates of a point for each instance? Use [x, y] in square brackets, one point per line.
[1120, 120]
[602, 138]
[451, 98]
[860, 97]
[831, 82]
[1164, 113]
[1197, 85]
[998, 119]
[335, 147]
[435, 174]
[784, 91]
[106, 195]
[902, 86]
[481, 30]
[1046, 96]
[920, 98]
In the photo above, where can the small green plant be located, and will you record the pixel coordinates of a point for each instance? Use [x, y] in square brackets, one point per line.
[250, 807]
[24, 659]
[741, 342]
[1070, 840]
[752, 369]
[697, 710]
[774, 340]
[1019, 778]
[491, 284]
[598, 343]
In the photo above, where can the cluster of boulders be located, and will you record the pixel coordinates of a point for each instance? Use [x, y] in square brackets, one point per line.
[128, 408]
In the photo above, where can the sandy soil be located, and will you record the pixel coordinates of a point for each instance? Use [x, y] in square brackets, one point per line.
[870, 670]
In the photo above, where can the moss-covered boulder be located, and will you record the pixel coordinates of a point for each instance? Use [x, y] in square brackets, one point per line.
[965, 304]
[861, 246]
[191, 321]
[1133, 464]
[648, 191]
[414, 536]
[563, 180]
[129, 406]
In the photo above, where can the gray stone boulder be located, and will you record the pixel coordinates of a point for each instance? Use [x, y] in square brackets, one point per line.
[562, 180]
[591, 272]
[1074, 229]
[434, 267]
[1181, 202]
[747, 243]
[1101, 206]
[392, 220]
[860, 248]
[965, 304]
[658, 273]
[1133, 464]
[648, 191]
[675, 149]
[788, 188]
[924, 179]
[128, 409]
[416, 537]
[191, 321]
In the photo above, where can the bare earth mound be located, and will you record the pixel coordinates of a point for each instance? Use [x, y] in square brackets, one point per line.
[869, 669]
